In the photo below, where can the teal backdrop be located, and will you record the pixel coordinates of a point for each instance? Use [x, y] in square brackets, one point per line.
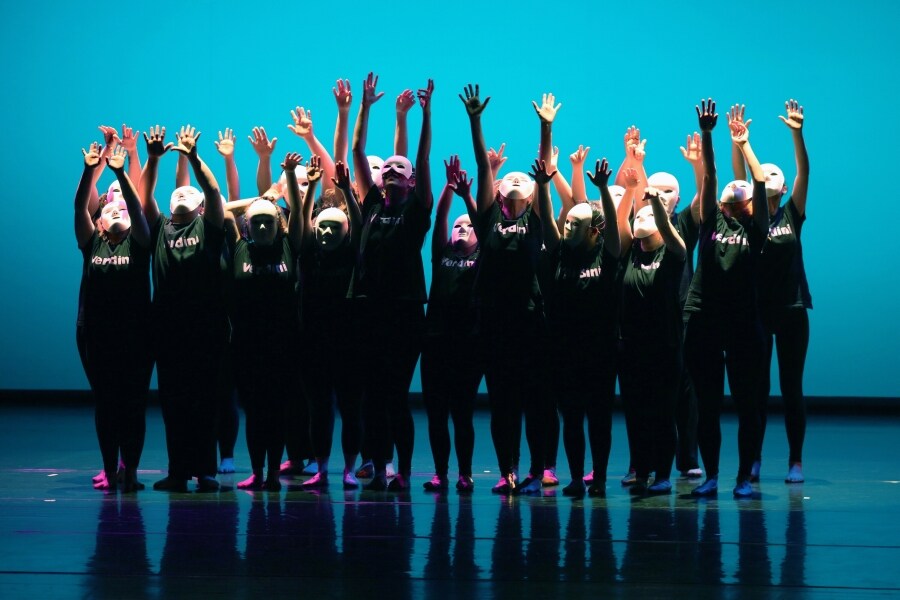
[68, 67]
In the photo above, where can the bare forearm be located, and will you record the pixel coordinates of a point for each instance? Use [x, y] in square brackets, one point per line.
[341, 135]
[182, 175]
[213, 212]
[232, 179]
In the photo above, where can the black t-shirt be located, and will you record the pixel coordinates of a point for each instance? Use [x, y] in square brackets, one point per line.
[263, 281]
[115, 282]
[782, 274]
[507, 271]
[187, 268]
[450, 306]
[390, 261]
[725, 282]
[583, 303]
[325, 277]
[651, 310]
[689, 231]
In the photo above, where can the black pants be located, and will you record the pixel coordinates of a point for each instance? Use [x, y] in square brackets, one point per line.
[649, 377]
[334, 379]
[392, 341]
[585, 384]
[788, 332]
[451, 372]
[511, 346]
[187, 368]
[297, 422]
[119, 375]
[227, 417]
[713, 345]
[686, 423]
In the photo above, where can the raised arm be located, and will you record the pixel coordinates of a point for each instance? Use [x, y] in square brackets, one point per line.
[496, 160]
[84, 224]
[360, 131]
[405, 101]
[156, 147]
[182, 172]
[298, 227]
[736, 115]
[110, 141]
[623, 211]
[549, 229]
[303, 127]
[671, 239]
[635, 151]
[213, 211]
[343, 98]
[354, 213]
[600, 178]
[692, 153]
[740, 136]
[129, 142]
[423, 152]
[140, 232]
[225, 146]
[484, 196]
[570, 196]
[794, 121]
[707, 117]
[263, 148]
[439, 234]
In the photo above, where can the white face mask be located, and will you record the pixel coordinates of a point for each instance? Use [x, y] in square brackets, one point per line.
[644, 223]
[736, 191]
[114, 193]
[262, 216]
[462, 238]
[302, 181]
[332, 228]
[114, 217]
[774, 180]
[617, 192]
[578, 225]
[516, 186]
[396, 170]
[668, 189]
[185, 199]
[375, 165]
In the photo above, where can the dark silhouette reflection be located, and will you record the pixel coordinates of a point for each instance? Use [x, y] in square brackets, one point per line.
[507, 562]
[574, 566]
[651, 554]
[119, 567]
[753, 566]
[201, 542]
[464, 565]
[450, 567]
[378, 543]
[793, 567]
[438, 564]
[709, 550]
[542, 552]
[602, 560]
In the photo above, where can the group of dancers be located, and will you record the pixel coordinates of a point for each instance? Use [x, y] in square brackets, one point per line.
[321, 303]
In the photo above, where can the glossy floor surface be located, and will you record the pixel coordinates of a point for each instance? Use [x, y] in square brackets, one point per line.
[835, 536]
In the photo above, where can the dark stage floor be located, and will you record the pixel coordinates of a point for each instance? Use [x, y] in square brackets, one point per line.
[835, 536]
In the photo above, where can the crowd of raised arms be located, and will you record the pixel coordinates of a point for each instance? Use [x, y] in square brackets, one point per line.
[310, 296]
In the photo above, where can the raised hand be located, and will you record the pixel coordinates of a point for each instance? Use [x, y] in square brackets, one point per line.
[461, 184]
[652, 194]
[632, 138]
[370, 96]
[303, 125]
[424, 94]
[691, 151]
[91, 155]
[794, 118]
[156, 141]
[736, 113]
[110, 138]
[474, 105]
[546, 111]
[129, 138]
[341, 177]
[291, 161]
[496, 158]
[116, 160]
[405, 101]
[260, 142]
[578, 157]
[630, 176]
[739, 132]
[540, 174]
[225, 144]
[554, 156]
[706, 114]
[342, 95]
[452, 168]
[314, 169]
[600, 176]
[187, 140]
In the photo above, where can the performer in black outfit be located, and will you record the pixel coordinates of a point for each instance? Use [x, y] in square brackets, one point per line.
[113, 315]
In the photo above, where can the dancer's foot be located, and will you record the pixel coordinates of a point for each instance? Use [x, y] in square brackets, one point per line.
[659, 488]
[378, 484]
[99, 477]
[169, 484]
[795, 474]
[630, 477]
[316, 482]
[550, 479]
[694, 473]
[254, 482]
[206, 484]
[710, 487]
[754, 471]
[437, 484]
[575, 489]
[366, 470]
[389, 471]
[106, 483]
[227, 465]
[743, 489]
[588, 479]
[597, 489]
[465, 484]
[532, 485]
[130, 483]
[290, 467]
[350, 481]
[273, 484]
[311, 468]
[399, 484]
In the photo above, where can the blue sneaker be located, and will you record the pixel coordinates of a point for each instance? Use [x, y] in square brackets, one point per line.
[743, 489]
[661, 487]
[710, 487]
